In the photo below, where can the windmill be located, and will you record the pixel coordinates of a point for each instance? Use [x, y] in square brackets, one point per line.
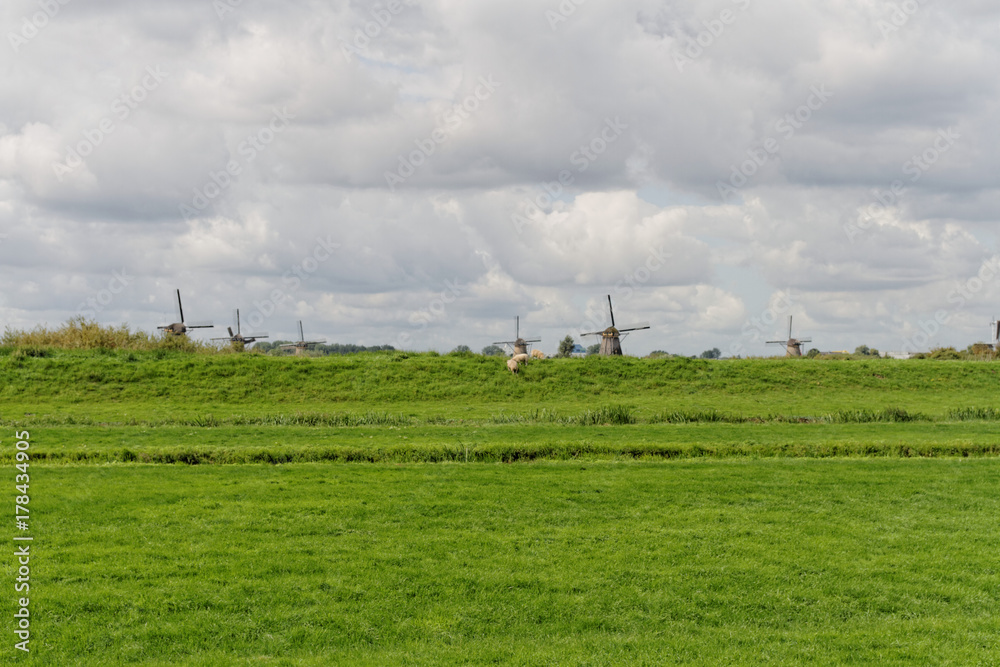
[518, 345]
[611, 337]
[238, 338]
[995, 334]
[181, 328]
[793, 346]
[301, 345]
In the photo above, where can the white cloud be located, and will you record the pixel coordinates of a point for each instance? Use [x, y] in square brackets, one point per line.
[323, 177]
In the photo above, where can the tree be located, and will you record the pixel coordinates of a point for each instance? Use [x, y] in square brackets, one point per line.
[865, 351]
[593, 349]
[714, 353]
[493, 351]
[812, 353]
[566, 347]
[462, 350]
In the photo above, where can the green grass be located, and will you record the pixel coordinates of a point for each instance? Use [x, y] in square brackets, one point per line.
[113, 386]
[705, 563]
[230, 444]
[397, 508]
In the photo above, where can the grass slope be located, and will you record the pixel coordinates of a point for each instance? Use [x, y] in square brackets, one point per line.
[164, 385]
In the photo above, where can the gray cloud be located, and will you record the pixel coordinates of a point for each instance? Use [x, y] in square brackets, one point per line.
[516, 192]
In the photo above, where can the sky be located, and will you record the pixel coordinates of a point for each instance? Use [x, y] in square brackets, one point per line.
[418, 173]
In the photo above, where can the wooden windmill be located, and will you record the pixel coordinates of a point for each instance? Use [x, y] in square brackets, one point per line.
[180, 328]
[301, 345]
[611, 343]
[238, 339]
[518, 345]
[793, 346]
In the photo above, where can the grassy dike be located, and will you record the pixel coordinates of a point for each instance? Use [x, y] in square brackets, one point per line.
[174, 407]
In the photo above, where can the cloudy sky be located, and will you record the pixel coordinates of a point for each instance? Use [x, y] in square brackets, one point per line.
[417, 173]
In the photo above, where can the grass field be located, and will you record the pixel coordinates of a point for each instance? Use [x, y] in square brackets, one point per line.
[415, 509]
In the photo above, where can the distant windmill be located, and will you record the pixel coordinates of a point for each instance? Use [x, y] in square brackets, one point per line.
[238, 338]
[181, 328]
[518, 345]
[302, 344]
[611, 337]
[793, 346]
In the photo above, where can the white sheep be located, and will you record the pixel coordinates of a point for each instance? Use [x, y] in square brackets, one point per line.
[520, 358]
[537, 354]
[512, 366]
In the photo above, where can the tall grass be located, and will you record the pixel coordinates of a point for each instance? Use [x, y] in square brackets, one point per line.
[973, 414]
[865, 416]
[613, 415]
[79, 333]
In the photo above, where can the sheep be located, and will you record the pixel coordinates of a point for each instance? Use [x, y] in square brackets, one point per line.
[537, 354]
[520, 358]
[512, 366]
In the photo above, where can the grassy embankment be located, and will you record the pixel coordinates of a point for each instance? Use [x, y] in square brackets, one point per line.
[164, 406]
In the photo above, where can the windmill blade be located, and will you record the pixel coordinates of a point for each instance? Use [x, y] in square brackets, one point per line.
[789, 327]
[236, 319]
[635, 327]
[996, 330]
[180, 309]
[776, 342]
[230, 330]
[321, 341]
[302, 336]
[517, 327]
[593, 333]
[805, 340]
[257, 334]
[610, 311]
[200, 325]
[532, 340]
